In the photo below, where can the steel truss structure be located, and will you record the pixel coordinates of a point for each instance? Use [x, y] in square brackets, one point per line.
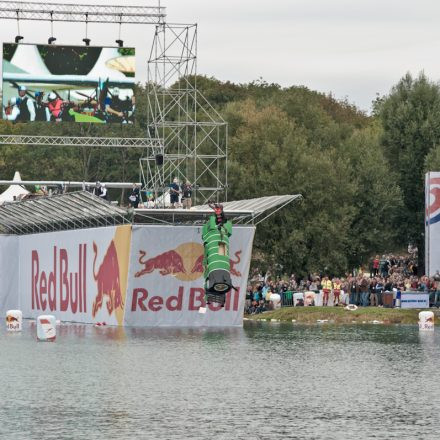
[81, 13]
[194, 134]
[184, 130]
[70, 141]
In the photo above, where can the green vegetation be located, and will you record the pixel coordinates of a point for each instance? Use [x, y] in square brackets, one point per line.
[337, 315]
[361, 176]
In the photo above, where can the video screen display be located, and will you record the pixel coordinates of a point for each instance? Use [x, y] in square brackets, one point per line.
[68, 83]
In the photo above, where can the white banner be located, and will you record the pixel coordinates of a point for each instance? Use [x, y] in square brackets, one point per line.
[9, 273]
[414, 300]
[432, 223]
[78, 276]
[165, 285]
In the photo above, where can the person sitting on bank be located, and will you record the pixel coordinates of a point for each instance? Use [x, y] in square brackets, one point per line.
[134, 196]
[186, 195]
[174, 193]
[26, 106]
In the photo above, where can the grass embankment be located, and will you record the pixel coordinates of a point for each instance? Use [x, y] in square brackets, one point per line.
[337, 315]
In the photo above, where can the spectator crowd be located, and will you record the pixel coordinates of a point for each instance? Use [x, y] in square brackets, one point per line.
[361, 287]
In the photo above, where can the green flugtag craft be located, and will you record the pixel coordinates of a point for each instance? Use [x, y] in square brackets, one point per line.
[216, 263]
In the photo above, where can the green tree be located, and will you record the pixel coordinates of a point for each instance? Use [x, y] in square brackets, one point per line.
[410, 116]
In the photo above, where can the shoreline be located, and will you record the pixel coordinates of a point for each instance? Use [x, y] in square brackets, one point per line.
[338, 315]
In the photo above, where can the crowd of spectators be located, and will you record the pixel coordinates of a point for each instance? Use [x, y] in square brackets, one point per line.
[362, 287]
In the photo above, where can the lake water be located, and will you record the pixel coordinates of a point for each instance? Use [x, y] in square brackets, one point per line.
[265, 381]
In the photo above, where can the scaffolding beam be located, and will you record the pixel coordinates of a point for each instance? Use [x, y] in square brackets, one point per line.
[78, 13]
[71, 141]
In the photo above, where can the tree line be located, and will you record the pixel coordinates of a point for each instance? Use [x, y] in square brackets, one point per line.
[361, 176]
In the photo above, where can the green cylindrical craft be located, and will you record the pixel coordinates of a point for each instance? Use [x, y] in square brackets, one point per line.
[216, 259]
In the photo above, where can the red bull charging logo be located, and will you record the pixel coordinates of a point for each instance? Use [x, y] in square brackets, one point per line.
[185, 262]
[433, 212]
[111, 275]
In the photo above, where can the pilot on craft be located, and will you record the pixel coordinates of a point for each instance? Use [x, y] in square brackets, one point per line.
[116, 108]
[26, 105]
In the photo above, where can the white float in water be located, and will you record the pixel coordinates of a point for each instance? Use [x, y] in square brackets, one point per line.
[14, 320]
[275, 298]
[46, 328]
[426, 321]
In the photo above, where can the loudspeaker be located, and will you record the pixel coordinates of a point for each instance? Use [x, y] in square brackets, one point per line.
[159, 159]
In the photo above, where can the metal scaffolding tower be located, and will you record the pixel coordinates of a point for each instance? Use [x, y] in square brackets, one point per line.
[194, 134]
[186, 137]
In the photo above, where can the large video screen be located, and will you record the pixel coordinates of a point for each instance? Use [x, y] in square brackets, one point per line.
[68, 83]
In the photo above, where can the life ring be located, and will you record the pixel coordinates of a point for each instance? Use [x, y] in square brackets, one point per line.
[351, 307]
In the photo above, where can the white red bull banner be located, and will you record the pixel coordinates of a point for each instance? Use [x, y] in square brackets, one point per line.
[165, 285]
[432, 223]
[140, 276]
[78, 276]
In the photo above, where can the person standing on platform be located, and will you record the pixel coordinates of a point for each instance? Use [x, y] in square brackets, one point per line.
[134, 196]
[186, 195]
[103, 194]
[174, 193]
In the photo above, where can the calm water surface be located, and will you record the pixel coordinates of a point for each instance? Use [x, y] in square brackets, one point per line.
[266, 381]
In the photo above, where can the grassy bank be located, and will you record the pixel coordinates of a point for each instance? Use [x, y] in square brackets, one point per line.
[310, 315]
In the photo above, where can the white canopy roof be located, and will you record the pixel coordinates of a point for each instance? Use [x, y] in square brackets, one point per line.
[16, 191]
[251, 211]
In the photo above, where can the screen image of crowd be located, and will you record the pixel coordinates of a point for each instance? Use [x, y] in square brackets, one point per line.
[376, 286]
[68, 84]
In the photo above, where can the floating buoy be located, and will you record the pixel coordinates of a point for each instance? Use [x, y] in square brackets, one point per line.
[426, 321]
[46, 328]
[202, 310]
[14, 320]
[322, 321]
[351, 307]
[100, 324]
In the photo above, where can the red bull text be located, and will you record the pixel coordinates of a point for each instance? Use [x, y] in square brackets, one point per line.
[59, 289]
[143, 301]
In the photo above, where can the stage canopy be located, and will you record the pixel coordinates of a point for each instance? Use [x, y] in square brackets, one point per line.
[76, 210]
[250, 211]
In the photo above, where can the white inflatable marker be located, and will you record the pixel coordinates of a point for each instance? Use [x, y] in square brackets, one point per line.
[14, 320]
[202, 310]
[46, 328]
[426, 321]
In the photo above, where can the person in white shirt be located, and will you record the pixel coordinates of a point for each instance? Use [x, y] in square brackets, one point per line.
[11, 112]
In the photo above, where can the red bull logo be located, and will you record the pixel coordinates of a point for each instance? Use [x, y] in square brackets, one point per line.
[111, 275]
[185, 263]
[107, 281]
[10, 319]
[433, 212]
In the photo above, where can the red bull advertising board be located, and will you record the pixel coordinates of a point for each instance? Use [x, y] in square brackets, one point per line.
[78, 276]
[165, 285]
[432, 223]
[124, 275]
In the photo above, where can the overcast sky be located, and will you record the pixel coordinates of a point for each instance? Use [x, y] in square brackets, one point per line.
[352, 48]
